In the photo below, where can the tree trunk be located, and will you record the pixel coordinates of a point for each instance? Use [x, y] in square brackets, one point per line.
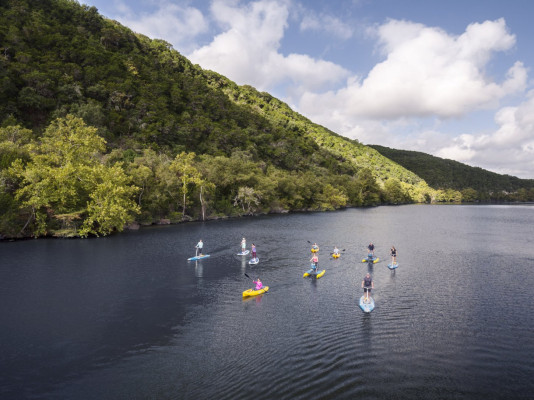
[202, 207]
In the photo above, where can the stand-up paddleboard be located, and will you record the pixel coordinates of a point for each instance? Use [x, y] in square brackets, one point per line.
[393, 266]
[200, 257]
[243, 253]
[254, 261]
[371, 259]
[367, 307]
[311, 273]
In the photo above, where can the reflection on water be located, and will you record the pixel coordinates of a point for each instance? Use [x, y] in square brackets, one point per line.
[243, 264]
[199, 270]
[129, 317]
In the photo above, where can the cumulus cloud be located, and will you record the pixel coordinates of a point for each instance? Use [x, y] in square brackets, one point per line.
[509, 149]
[427, 72]
[248, 49]
[176, 24]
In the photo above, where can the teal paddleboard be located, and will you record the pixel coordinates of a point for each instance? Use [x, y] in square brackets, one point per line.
[368, 306]
[198, 257]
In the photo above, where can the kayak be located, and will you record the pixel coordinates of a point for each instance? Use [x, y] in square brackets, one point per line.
[367, 307]
[244, 253]
[372, 259]
[314, 250]
[313, 274]
[200, 257]
[254, 292]
[393, 266]
[335, 255]
[254, 261]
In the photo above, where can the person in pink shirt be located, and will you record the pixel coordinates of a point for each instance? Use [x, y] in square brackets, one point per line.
[258, 283]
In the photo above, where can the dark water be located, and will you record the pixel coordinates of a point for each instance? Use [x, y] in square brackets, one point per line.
[127, 317]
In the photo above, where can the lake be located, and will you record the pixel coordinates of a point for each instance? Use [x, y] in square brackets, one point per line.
[128, 317]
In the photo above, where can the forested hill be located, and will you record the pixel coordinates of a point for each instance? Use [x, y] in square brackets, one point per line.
[101, 127]
[442, 173]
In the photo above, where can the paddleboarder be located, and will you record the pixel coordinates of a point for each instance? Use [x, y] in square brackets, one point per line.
[199, 247]
[253, 248]
[314, 262]
[367, 285]
[243, 245]
[393, 255]
[371, 248]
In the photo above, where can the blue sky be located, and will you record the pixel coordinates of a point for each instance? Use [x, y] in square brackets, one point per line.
[449, 78]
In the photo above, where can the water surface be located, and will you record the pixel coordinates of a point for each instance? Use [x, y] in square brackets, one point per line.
[127, 317]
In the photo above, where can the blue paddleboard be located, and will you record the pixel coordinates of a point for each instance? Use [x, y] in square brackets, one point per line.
[198, 257]
[243, 253]
[393, 266]
[254, 261]
[367, 307]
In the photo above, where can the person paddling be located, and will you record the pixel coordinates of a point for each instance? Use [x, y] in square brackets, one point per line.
[371, 248]
[315, 262]
[259, 284]
[336, 250]
[253, 247]
[243, 245]
[393, 255]
[367, 285]
[199, 248]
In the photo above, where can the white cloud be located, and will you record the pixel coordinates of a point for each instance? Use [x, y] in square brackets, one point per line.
[509, 149]
[427, 72]
[176, 24]
[247, 51]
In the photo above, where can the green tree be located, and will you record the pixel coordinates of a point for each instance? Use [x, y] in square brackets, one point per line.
[247, 199]
[188, 174]
[65, 175]
[393, 192]
[469, 195]
[369, 189]
[110, 206]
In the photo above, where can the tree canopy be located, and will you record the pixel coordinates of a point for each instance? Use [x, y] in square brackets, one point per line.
[100, 126]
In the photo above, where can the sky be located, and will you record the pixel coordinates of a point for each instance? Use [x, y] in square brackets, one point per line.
[449, 78]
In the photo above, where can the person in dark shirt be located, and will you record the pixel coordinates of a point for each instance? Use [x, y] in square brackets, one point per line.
[367, 285]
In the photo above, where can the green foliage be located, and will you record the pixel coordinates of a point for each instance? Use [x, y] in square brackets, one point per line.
[65, 175]
[110, 206]
[474, 183]
[99, 125]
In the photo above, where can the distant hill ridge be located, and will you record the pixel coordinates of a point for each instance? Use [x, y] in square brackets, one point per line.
[443, 173]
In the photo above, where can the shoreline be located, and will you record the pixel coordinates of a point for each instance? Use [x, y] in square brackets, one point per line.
[136, 226]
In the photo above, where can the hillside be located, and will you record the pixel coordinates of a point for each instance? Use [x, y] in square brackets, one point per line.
[101, 127]
[442, 173]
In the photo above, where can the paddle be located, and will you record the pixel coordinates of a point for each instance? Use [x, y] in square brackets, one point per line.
[339, 251]
[253, 280]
